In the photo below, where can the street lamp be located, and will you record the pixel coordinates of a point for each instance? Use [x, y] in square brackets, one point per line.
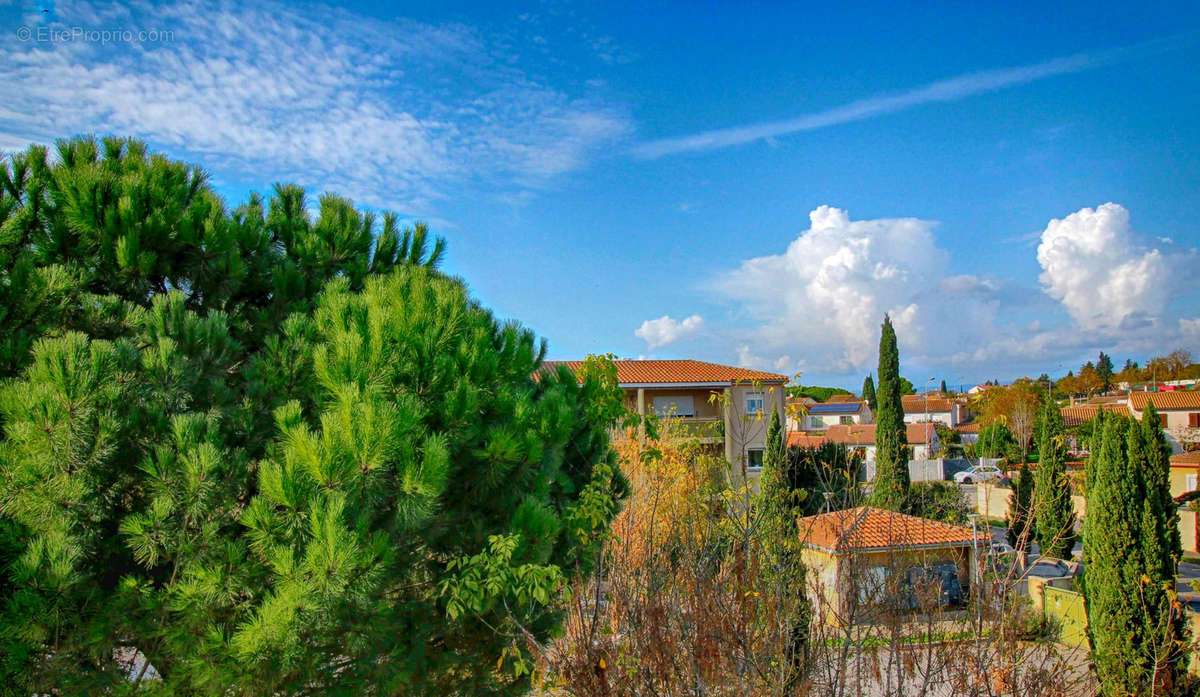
[927, 391]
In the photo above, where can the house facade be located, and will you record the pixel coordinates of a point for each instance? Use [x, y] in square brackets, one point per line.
[919, 408]
[1178, 412]
[726, 407]
[922, 439]
[819, 417]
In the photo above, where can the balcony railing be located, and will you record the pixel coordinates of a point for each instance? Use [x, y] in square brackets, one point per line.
[705, 429]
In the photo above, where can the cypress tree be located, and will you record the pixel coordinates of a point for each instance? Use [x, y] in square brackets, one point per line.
[868, 392]
[1131, 548]
[1022, 523]
[1113, 564]
[1052, 509]
[891, 449]
[944, 387]
[781, 506]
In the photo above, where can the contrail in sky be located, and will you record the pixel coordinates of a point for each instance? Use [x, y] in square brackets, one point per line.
[948, 90]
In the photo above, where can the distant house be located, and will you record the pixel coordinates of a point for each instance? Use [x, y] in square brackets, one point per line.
[919, 408]
[865, 558]
[922, 440]
[818, 417]
[683, 390]
[1185, 478]
[968, 431]
[981, 388]
[1178, 412]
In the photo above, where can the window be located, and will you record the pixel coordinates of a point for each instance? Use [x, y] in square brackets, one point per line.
[847, 420]
[1190, 483]
[816, 421]
[754, 403]
[754, 459]
[872, 585]
[1162, 420]
[681, 405]
[1194, 419]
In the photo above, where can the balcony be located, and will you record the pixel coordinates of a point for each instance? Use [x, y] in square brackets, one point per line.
[702, 428]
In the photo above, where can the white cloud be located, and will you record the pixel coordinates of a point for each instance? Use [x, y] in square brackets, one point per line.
[1092, 264]
[823, 298]
[829, 290]
[666, 330]
[392, 113]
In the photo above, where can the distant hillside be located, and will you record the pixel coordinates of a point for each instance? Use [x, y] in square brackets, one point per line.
[821, 394]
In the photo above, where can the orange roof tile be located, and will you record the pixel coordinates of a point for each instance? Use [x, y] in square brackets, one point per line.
[1165, 400]
[678, 372]
[1191, 459]
[969, 427]
[866, 528]
[837, 398]
[864, 434]
[804, 439]
[915, 403]
[1082, 413]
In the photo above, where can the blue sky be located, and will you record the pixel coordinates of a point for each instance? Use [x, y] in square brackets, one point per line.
[751, 183]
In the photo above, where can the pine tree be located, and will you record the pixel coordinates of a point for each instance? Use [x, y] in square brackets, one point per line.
[274, 452]
[891, 450]
[1104, 368]
[1021, 521]
[944, 390]
[1131, 554]
[1052, 508]
[868, 392]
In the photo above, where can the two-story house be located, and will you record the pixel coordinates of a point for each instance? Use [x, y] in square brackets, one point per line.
[921, 408]
[819, 417]
[721, 405]
[1179, 413]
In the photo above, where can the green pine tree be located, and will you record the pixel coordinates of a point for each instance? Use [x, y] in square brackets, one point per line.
[1104, 368]
[891, 449]
[944, 390]
[275, 452]
[1053, 510]
[868, 392]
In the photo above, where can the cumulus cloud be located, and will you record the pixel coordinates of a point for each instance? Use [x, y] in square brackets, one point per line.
[666, 330]
[830, 289]
[393, 113]
[1092, 264]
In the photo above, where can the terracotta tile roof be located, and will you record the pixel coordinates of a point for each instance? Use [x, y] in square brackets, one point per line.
[1191, 459]
[864, 434]
[1109, 399]
[801, 401]
[841, 398]
[803, 439]
[969, 427]
[867, 528]
[915, 403]
[1082, 413]
[677, 372]
[1165, 400]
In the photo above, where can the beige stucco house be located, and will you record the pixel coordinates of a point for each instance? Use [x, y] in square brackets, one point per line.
[1178, 411]
[724, 406]
[865, 559]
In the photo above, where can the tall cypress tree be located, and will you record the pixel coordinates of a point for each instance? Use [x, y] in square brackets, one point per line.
[1052, 508]
[781, 506]
[891, 449]
[1131, 554]
[868, 392]
[944, 387]
[1021, 520]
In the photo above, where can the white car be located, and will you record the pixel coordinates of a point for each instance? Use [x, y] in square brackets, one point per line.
[979, 473]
